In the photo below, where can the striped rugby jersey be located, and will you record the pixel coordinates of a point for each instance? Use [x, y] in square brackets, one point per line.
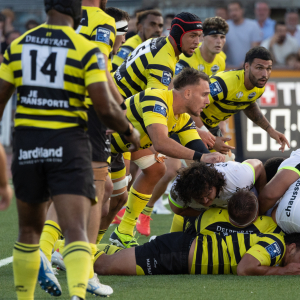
[51, 66]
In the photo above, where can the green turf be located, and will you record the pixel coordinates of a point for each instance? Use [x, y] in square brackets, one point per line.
[156, 287]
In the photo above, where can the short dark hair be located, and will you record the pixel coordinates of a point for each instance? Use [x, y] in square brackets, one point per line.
[279, 23]
[258, 52]
[118, 14]
[236, 2]
[196, 180]
[241, 206]
[189, 76]
[217, 23]
[141, 16]
[170, 16]
[31, 22]
[12, 32]
[271, 166]
[292, 238]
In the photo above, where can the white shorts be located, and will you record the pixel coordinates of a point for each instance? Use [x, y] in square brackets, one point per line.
[288, 210]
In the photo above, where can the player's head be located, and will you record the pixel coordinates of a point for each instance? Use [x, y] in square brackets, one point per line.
[194, 90]
[271, 166]
[186, 30]
[292, 253]
[71, 8]
[121, 18]
[243, 208]
[149, 24]
[258, 66]
[200, 182]
[214, 34]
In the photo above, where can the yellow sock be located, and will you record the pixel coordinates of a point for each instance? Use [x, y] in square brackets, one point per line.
[147, 210]
[107, 249]
[93, 252]
[59, 244]
[26, 265]
[136, 203]
[51, 233]
[77, 258]
[177, 224]
[98, 254]
[100, 235]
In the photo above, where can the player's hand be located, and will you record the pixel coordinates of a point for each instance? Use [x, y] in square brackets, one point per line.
[220, 145]
[292, 269]
[134, 139]
[207, 138]
[6, 194]
[279, 137]
[213, 158]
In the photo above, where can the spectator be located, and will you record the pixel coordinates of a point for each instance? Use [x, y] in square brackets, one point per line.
[243, 35]
[10, 37]
[167, 24]
[262, 15]
[9, 19]
[292, 61]
[281, 44]
[30, 24]
[2, 36]
[222, 12]
[292, 24]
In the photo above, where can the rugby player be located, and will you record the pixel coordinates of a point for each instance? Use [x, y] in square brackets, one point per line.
[284, 188]
[149, 25]
[156, 114]
[181, 253]
[52, 68]
[236, 90]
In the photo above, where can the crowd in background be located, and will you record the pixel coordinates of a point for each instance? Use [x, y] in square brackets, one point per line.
[281, 37]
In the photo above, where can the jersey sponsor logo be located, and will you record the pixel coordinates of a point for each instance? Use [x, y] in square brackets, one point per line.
[123, 53]
[46, 41]
[252, 95]
[160, 110]
[239, 95]
[103, 35]
[215, 68]
[178, 69]
[40, 153]
[215, 88]
[201, 68]
[293, 198]
[274, 250]
[166, 78]
[100, 61]
[149, 266]
[270, 96]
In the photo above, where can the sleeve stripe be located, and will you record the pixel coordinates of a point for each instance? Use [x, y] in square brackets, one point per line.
[73, 63]
[279, 242]
[237, 102]
[160, 68]
[15, 57]
[291, 169]
[18, 73]
[153, 98]
[252, 168]
[5, 61]
[106, 26]
[126, 47]
[88, 56]
[137, 72]
[148, 108]
[86, 36]
[73, 79]
[223, 85]
[156, 76]
[174, 203]
[184, 63]
[224, 110]
[93, 66]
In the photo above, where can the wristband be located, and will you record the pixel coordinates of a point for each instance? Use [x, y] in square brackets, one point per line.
[129, 130]
[123, 105]
[197, 156]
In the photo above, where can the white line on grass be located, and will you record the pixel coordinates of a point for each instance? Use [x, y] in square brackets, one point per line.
[6, 261]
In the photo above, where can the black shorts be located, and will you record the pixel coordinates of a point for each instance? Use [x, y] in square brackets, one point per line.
[167, 254]
[97, 134]
[117, 162]
[49, 162]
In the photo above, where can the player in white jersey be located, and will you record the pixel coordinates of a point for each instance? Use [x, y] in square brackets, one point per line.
[284, 188]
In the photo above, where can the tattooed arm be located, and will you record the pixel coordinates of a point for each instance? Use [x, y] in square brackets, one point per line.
[254, 113]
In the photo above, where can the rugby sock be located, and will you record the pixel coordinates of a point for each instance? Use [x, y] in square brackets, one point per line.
[98, 254]
[107, 249]
[147, 210]
[51, 233]
[177, 224]
[100, 235]
[136, 203]
[26, 265]
[93, 252]
[77, 258]
[60, 245]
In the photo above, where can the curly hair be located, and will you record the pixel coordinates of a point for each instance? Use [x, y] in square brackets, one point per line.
[195, 181]
[216, 23]
[271, 166]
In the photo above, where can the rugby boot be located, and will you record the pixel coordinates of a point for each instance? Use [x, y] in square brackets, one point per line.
[122, 240]
[98, 289]
[143, 224]
[57, 260]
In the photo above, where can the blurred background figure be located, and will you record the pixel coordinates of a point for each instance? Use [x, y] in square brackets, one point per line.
[30, 24]
[292, 24]
[9, 19]
[9, 38]
[262, 16]
[222, 12]
[167, 24]
[2, 35]
[281, 44]
[243, 35]
[292, 61]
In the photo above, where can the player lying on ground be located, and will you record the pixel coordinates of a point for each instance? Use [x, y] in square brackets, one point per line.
[181, 253]
[284, 187]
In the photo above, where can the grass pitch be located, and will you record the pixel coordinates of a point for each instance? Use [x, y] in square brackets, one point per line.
[210, 287]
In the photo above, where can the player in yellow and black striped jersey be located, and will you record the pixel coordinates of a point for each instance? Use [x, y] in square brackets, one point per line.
[152, 64]
[149, 25]
[52, 67]
[237, 90]
[180, 253]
